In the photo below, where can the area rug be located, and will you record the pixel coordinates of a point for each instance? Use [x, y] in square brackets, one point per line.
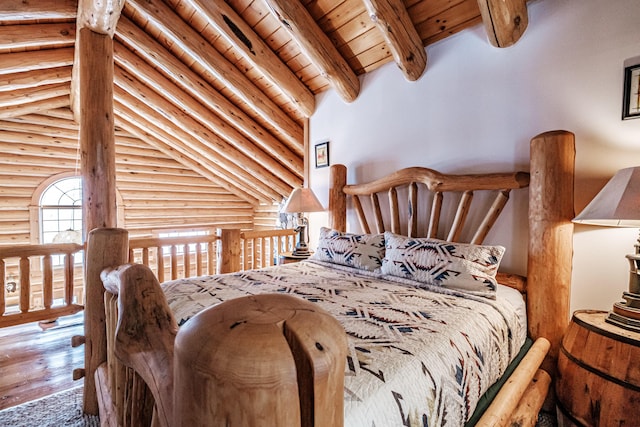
[56, 410]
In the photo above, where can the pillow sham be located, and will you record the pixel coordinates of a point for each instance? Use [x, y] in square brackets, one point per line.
[362, 251]
[459, 266]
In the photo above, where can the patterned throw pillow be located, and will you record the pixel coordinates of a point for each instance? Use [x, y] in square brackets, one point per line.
[460, 266]
[363, 251]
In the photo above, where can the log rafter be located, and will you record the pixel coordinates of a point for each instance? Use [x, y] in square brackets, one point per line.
[27, 61]
[317, 46]
[24, 11]
[237, 32]
[393, 21]
[191, 138]
[504, 20]
[161, 59]
[166, 143]
[192, 45]
[39, 36]
[29, 79]
[227, 140]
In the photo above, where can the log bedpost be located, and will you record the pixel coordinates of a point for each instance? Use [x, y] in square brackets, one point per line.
[550, 238]
[337, 199]
[105, 248]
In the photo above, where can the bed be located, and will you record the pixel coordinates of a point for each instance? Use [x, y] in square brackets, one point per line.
[402, 289]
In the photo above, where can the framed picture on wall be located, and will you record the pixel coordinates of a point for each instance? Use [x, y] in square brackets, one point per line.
[322, 154]
[631, 97]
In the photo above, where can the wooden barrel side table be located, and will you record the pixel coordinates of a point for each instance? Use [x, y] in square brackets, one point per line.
[598, 381]
[263, 360]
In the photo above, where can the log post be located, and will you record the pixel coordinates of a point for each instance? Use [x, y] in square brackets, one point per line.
[105, 248]
[228, 251]
[337, 200]
[97, 133]
[550, 238]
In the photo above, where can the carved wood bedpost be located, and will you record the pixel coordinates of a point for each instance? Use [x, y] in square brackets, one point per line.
[337, 199]
[550, 238]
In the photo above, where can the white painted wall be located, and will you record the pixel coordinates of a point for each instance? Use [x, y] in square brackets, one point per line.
[476, 108]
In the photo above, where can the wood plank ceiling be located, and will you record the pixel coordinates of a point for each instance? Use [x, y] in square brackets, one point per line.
[225, 88]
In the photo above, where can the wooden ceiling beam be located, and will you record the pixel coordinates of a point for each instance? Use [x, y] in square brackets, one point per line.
[27, 61]
[504, 20]
[34, 107]
[231, 143]
[27, 79]
[400, 35]
[194, 46]
[240, 35]
[128, 117]
[198, 88]
[203, 145]
[317, 46]
[28, 95]
[21, 10]
[39, 36]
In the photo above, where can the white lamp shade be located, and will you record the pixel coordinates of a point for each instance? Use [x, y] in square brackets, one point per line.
[302, 200]
[617, 204]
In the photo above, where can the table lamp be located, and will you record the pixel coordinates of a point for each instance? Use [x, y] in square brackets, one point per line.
[302, 200]
[618, 205]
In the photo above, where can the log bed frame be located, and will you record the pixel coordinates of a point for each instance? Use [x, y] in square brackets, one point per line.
[125, 399]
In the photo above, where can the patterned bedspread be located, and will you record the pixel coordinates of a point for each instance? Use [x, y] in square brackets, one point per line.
[417, 357]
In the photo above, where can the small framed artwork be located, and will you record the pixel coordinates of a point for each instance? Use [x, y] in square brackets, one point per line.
[631, 106]
[322, 154]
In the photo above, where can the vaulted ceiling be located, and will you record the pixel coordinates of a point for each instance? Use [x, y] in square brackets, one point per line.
[225, 88]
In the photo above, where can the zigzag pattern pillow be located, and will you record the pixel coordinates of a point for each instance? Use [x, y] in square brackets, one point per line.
[363, 251]
[463, 267]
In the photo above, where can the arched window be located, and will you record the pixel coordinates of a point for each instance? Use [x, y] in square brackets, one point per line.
[61, 211]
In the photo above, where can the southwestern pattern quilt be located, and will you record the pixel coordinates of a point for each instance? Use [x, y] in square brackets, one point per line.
[418, 355]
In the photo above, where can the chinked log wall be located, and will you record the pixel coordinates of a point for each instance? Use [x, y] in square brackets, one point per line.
[156, 191]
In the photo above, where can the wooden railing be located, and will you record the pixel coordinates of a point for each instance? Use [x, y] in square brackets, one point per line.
[43, 290]
[197, 255]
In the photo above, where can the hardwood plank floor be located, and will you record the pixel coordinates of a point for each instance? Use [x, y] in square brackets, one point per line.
[35, 363]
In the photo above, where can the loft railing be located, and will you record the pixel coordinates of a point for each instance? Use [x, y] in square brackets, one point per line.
[39, 282]
[44, 282]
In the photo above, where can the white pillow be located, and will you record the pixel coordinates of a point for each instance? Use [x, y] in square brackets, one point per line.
[363, 251]
[460, 266]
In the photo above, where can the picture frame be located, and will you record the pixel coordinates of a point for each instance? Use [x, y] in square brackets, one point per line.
[322, 154]
[631, 96]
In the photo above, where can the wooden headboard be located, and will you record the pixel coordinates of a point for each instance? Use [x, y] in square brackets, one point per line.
[550, 183]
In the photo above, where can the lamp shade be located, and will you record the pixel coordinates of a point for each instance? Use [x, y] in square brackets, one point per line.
[617, 204]
[302, 200]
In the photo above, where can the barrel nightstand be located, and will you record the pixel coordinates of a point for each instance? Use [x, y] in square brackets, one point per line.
[598, 380]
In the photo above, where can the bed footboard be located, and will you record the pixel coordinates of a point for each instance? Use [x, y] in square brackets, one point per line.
[245, 362]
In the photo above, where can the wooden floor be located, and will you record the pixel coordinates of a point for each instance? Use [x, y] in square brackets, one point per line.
[35, 363]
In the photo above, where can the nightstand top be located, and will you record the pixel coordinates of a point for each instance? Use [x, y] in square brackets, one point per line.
[595, 320]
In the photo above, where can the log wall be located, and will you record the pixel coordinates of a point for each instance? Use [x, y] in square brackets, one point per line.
[156, 193]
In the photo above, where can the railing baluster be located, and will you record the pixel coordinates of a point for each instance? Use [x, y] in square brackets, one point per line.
[47, 281]
[25, 284]
[68, 277]
[3, 271]
[198, 259]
